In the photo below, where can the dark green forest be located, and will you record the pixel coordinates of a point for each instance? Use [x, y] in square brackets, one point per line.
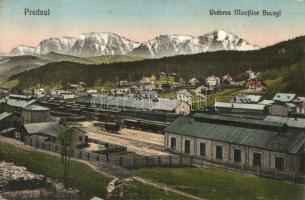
[200, 65]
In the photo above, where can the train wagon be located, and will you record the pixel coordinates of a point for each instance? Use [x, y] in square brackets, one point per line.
[157, 127]
[113, 127]
[145, 125]
[131, 123]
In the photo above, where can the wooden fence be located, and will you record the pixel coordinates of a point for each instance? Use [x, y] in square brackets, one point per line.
[259, 171]
[137, 161]
[129, 162]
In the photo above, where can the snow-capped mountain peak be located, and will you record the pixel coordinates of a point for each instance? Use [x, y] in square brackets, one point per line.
[164, 45]
[59, 45]
[221, 34]
[224, 40]
[102, 43]
[105, 43]
[22, 50]
[169, 45]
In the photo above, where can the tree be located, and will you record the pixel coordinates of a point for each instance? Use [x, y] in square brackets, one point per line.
[66, 138]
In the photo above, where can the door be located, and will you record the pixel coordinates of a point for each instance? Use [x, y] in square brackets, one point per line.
[302, 163]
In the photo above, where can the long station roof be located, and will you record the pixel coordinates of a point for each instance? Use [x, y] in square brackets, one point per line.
[255, 134]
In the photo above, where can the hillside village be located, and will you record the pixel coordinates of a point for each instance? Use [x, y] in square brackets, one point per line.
[166, 118]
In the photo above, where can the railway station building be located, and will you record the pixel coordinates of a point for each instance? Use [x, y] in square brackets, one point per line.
[253, 143]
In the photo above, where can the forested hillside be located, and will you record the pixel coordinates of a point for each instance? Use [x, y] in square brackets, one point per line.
[186, 66]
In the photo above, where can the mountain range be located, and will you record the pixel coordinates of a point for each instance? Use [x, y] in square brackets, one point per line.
[283, 65]
[10, 65]
[96, 44]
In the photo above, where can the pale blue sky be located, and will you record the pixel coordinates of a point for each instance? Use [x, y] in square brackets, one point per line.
[141, 20]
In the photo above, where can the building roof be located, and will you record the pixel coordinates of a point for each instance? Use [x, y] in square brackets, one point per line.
[149, 93]
[239, 105]
[193, 80]
[20, 96]
[4, 115]
[34, 107]
[255, 83]
[284, 97]
[224, 119]
[47, 128]
[289, 141]
[184, 92]
[266, 102]
[68, 96]
[291, 122]
[254, 98]
[18, 102]
[129, 102]
[212, 78]
[243, 98]
[96, 198]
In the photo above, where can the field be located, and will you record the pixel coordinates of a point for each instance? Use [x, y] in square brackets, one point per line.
[220, 184]
[82, 177]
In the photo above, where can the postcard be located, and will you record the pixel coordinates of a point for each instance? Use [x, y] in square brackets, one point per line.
[152, 99]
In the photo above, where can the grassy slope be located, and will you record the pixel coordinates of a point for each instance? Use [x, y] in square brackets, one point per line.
[89, 182]
[56, 57]
[287, 79]
[220, 184]
[139, 191]
[114, 59]
[19, 64]
[81, 176]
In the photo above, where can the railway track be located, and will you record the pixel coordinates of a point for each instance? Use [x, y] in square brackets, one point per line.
[135, 145]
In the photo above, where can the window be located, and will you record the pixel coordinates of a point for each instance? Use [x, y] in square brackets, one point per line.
[187, 146]
[202, 149]
[279, 163]
[173, 143]
[237, 155]
[256, 159]
[219, 152]
[80, 138]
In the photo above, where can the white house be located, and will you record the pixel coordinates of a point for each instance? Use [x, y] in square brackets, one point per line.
[212, 80]
[227, 79]
[185, 96]
[92, 91]
[283, 104]
[300, 104]
[146, 80]
[256, 85]
[284, 97]
[123, 83]
[193, 81]
[251, 74]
